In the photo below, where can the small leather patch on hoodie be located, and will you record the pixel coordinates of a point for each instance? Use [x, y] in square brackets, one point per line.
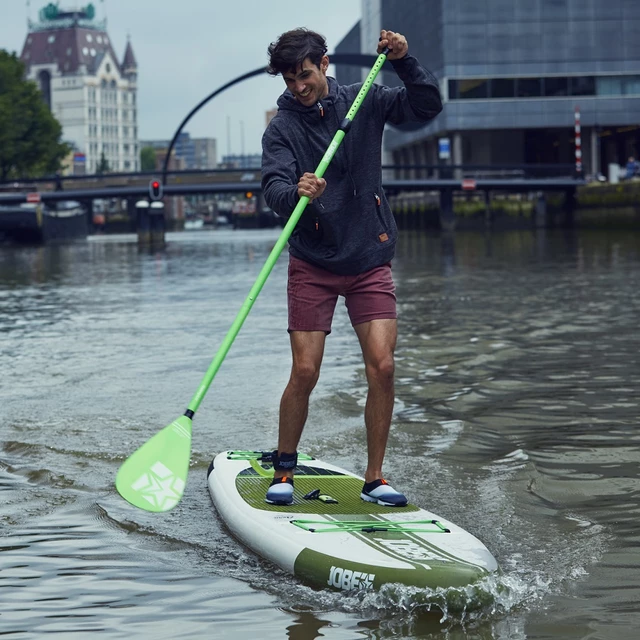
[383, 237]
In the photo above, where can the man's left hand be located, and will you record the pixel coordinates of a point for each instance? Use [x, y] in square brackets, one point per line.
[397, 43]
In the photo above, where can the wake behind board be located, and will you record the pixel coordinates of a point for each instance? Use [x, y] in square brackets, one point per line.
[337, 540]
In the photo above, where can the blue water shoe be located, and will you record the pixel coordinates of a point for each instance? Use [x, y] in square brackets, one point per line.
[382, 493]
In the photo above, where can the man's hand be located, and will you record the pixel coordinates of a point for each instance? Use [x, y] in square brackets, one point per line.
[311, 186]
[397, 43]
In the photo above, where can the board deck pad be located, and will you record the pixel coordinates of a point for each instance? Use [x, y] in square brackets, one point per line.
[343, 488]
[348, 544]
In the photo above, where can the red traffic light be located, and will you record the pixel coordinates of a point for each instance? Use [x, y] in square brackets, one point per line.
[155, 190]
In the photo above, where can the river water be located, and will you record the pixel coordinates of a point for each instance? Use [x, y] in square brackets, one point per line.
[517, 418]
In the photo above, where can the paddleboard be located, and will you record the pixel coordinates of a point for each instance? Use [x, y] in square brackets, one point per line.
[332, 538]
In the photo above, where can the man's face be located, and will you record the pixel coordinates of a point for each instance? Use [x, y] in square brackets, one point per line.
[309, 83]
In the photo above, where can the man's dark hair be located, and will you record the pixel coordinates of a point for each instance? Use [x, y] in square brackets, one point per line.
[292, 48]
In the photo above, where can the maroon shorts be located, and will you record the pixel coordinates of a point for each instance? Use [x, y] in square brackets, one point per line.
[313, 293]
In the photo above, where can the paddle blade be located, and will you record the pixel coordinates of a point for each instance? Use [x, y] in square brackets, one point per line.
[154, 476]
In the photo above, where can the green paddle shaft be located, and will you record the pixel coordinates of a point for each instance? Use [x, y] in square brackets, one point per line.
[282, 240]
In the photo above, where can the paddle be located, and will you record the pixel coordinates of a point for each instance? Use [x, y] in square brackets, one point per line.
[154, 476]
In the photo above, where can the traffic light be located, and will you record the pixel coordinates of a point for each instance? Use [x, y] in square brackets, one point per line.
[248, 194]
[155, 190]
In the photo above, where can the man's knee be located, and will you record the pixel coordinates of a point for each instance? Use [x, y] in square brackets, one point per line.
[382, 369]
[304, 375]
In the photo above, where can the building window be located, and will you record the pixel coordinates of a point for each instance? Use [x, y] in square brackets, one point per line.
[582, 86]
[549, 87]
[529, 87]
[556, 87]
[45, 86]
[611, 86]
[631, 85]
[503, 88]
[473, 89]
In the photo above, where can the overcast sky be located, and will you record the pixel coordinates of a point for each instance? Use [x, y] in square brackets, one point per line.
[187, 49]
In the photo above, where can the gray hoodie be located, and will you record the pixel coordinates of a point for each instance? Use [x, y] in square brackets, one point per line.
[350, 228]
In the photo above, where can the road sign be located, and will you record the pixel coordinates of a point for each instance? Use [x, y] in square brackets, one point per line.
[468, 184]
[444, 148]
[33, 197]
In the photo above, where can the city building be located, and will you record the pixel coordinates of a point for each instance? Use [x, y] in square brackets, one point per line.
[242, 161]
[512, 74]
[205, 153]
[88, 89]
[269, 116]
[196, 153]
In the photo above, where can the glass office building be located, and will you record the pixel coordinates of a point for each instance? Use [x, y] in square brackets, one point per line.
[512, 74]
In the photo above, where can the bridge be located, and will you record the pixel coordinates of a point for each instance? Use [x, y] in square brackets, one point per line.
[441, 182]
[510, 178]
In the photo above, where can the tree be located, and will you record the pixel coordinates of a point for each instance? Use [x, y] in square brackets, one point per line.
[30, 136]
[147, 159]
[103, 165]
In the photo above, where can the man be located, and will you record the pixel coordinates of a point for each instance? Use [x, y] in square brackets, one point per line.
[345, 239]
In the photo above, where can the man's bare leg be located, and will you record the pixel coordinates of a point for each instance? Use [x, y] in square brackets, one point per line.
[307, 348]
[378, 341]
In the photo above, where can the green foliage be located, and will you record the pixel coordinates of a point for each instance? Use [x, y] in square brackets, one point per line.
[103, 165]
[147, 159]
[499, 205]
[30, 136]
[610, 195]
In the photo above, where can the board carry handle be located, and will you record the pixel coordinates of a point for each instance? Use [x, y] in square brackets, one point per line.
[370, 526]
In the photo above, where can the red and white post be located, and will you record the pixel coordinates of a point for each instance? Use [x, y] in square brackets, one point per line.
[578, 137]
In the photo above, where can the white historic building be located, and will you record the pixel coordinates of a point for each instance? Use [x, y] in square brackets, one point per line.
[91, 93]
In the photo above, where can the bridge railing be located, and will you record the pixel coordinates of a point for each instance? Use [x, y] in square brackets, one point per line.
[399, 172]
[479, 171]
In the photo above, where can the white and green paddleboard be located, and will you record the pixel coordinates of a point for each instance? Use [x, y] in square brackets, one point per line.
[333, 539]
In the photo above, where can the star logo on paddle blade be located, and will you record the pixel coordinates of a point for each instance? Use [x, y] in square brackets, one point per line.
[160, 487]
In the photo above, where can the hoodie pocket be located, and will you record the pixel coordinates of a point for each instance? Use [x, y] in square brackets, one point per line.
[360, 226]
